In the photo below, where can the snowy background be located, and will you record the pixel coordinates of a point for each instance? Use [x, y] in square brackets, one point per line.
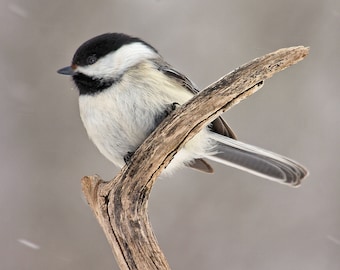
[229, 220]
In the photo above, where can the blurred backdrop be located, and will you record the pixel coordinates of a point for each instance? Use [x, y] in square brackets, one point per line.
[228, 220]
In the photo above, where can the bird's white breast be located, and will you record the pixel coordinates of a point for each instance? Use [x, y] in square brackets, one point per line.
[120, 118]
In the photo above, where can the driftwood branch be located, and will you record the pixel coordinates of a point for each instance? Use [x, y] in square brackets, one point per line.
[121, 204]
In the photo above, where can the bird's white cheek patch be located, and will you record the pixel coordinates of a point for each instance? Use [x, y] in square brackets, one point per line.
[115, 63]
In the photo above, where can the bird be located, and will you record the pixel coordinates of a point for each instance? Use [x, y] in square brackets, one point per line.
[126, 89]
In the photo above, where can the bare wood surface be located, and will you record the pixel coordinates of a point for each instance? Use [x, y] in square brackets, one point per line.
[121, 204]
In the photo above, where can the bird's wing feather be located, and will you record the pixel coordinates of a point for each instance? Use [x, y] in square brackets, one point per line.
[218, 125]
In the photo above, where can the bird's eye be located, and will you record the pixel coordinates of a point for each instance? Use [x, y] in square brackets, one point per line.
[91, 59]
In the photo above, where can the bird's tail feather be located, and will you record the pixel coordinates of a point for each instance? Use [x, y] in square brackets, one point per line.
[257, 161]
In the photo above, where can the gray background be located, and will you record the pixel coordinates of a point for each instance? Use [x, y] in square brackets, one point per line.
[229, 220]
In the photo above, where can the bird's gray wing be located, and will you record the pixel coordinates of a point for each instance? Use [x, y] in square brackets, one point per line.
[218, 125]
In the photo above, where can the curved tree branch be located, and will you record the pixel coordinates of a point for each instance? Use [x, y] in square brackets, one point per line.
[121, 204]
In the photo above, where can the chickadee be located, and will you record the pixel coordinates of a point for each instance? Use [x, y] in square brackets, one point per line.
[126, 89]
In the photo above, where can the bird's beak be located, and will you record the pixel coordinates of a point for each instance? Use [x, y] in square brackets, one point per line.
[67, 71]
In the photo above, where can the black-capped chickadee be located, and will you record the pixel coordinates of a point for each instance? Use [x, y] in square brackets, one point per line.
[126, 89]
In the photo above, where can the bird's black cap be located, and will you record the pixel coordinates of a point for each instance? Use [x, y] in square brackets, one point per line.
[100, 46]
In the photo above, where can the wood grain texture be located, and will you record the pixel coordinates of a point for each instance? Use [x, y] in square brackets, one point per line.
[121, 204]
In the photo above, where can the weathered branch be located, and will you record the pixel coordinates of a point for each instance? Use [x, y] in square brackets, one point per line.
[121, 204]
